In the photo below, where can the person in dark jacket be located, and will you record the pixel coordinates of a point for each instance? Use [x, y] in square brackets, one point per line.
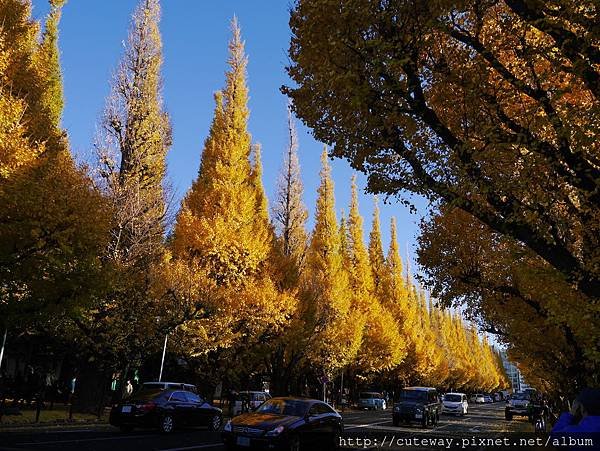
[582, 420]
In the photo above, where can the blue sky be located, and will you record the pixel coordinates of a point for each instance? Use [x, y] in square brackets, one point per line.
[195, 35]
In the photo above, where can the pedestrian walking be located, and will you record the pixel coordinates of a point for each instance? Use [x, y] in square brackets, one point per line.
[231, 398]
[128, 389]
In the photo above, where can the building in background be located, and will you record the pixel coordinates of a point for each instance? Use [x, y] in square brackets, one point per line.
[517, 382]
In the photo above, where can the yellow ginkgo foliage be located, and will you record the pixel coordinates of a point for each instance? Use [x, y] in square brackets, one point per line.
[223, 228]
[382, 345]
[326, 297]
[223, 220]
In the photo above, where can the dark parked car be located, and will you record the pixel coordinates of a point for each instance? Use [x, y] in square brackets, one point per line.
[420, 404]
[165, 409]
[517, 405]
[285, 424]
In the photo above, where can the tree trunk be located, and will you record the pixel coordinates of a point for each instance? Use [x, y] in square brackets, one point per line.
[90, 389]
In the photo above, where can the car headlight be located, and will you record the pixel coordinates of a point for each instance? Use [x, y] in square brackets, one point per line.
[278, 430]
[227, 427]
[419, 409]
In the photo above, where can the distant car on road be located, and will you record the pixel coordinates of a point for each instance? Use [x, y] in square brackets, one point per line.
[169, 386]
[249, 400]
[487, 399]
[517, 405]
[478, 399]
[419, 404]
[285, 423]
[455, 403]
[166, 410]
[371, 400]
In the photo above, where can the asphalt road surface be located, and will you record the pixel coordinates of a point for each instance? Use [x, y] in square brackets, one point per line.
[358, 425]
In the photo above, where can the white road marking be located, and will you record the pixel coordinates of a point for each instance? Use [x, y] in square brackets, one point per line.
[365, 424]
[377, 427]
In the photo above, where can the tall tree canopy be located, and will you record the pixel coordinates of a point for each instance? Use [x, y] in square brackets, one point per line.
[382, 346]
[489, 106]
[50, 244]
[289, 212]
[334, 325]
[222, 205]
[513, 294]
[134, 140]
[223, 230]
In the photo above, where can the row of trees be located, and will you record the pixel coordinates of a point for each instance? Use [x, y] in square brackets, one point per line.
[84, 258]
[490, 110]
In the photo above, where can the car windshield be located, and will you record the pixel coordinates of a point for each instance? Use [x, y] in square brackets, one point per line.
[413, 395]
[370, 395]
[521, 396]
[291, 407]
[452, 398]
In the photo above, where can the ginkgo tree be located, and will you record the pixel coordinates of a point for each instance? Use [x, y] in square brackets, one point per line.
[223, 230]
[330, 316]
[50, 236]
[382, 346]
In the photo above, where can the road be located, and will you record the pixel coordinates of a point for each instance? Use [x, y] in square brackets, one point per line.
[481, 419]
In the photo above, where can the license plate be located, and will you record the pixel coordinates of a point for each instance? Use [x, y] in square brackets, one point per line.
[418, 415]
[126, 409]
[243, 441]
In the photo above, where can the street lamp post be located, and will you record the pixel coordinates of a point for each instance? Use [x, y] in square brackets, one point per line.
[3, 344]
[342, 390]
[162, 361]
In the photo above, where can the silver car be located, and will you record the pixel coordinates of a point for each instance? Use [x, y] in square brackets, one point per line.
[371, 400]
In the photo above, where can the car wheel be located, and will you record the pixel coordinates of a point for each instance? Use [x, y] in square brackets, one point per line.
[126, 428]
[294, 443]
[215, 423]
[167, 424]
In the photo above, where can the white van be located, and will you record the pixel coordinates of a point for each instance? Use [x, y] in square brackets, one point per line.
[455, 403]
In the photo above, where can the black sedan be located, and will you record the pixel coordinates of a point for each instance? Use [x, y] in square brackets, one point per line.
[165, 409]
[285, 424]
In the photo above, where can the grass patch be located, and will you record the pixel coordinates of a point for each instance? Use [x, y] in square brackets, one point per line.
[60, 414]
